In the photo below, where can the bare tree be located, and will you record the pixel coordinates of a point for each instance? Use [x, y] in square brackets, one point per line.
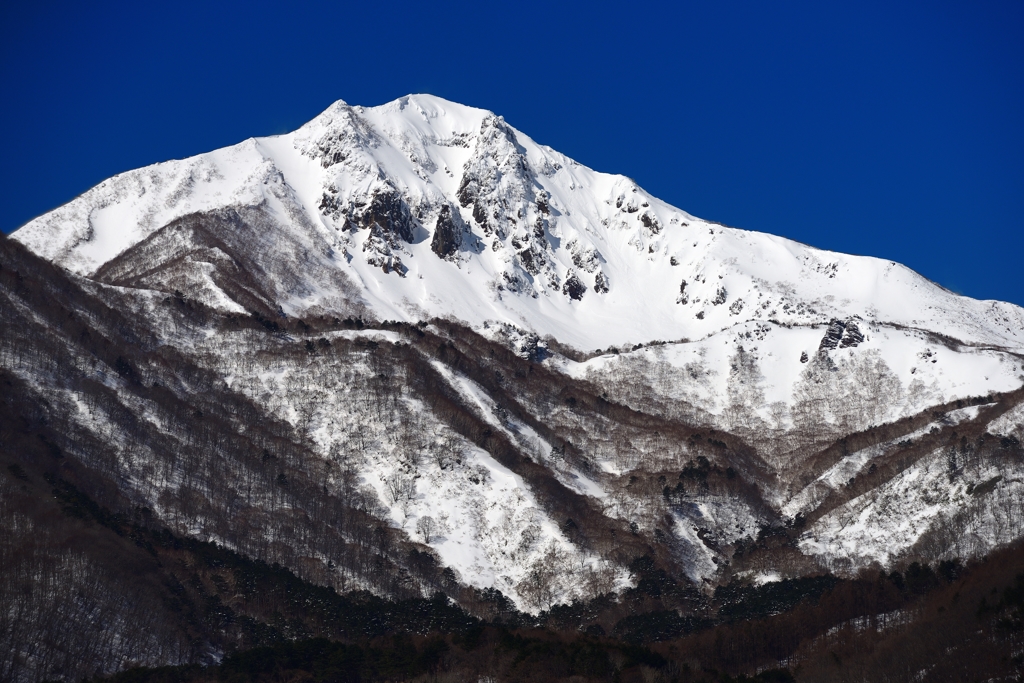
[400, 490]
[427, 528]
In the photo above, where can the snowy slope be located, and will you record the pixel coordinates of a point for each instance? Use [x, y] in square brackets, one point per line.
[758, 374]
[423, 209]
[531, 237]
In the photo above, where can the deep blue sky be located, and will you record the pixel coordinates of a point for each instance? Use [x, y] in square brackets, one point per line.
[884, 128]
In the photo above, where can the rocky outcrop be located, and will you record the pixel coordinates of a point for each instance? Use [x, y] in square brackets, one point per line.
[496, 180]
[447, 235]
[574, 287]
[683, 298]
[853, 336]
[345, 138]
[388, 211]
[841, 334]
[833, 335]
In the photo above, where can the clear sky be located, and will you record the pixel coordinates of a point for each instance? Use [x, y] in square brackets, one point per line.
[891, 129]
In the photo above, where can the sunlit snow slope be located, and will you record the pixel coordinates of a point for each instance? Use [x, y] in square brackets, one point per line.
[429, 208]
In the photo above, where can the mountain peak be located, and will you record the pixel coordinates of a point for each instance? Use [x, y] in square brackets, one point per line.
[527, 237]
[406, 348]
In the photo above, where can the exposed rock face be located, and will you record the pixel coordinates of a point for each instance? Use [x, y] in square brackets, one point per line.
[853, 336]
[390, 223]
[574, 287]
[650, 222]
[532, 260]
[342, 141]
[841, 334]
[447, 235]
[496, 181]
[388, 212]
[682, 298]
[833, 335]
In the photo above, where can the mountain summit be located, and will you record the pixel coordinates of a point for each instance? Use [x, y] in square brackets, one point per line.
[425, 208]
[407, 350]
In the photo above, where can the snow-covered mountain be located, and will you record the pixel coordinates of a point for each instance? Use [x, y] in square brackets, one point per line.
[673, 386]
[432, 209]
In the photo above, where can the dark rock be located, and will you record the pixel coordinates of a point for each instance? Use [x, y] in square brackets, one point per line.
[379, 250]
[499, 160]
[833, 335]
[650, 222]
[531, 262]
[586, 260]
[469, 195]
[573, 287]
[985, 487]
[513, 281]
[330, 204]
[388, 211]
[539, 230]
[682, 298]
[480, 216]
[841, 334]
[853, 335]
[542, 203]
[447, 235]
